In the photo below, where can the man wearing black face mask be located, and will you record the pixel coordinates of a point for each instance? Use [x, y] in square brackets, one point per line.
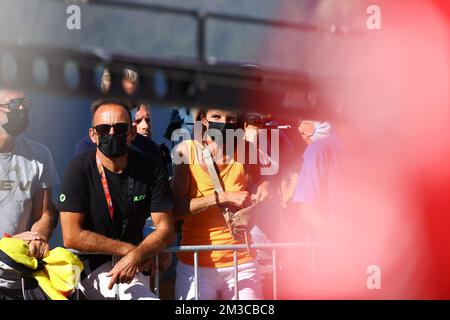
[106, 196]
[27, 174]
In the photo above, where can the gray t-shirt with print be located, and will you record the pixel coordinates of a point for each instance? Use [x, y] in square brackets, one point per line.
[27, 168]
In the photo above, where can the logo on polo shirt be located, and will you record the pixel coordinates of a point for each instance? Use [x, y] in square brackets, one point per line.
[62, 197]
[139, 198]
[11, 185]
[12, 181]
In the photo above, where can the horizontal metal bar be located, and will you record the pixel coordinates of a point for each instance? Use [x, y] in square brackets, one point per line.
[221, 85]
[267, 22]
[165, 9]
[133, 5]
[238, 247]
[261, 246]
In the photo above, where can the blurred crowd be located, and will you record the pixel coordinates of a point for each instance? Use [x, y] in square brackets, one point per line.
[224, 178]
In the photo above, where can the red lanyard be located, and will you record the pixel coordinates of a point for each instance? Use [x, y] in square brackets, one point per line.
[105, 187]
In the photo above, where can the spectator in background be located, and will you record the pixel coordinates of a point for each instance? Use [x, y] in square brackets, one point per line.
[284, 181]
[312, 201]
[266, 222]
[27, 175]
[105, 82]
[142, 119]
[311, 130]
[314, 187]
[130, 80]
[275, 213]
[253, 123]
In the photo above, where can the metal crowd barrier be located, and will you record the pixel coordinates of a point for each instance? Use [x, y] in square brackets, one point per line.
[235, 248]
[243, 247]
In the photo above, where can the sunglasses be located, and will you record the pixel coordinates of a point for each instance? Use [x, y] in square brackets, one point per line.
[121, 129]
[15, 104]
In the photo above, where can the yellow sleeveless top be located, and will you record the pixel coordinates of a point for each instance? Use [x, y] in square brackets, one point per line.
[208, 227]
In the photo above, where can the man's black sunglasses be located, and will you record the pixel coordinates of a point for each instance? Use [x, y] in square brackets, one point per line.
[121, 129]
[15, 104]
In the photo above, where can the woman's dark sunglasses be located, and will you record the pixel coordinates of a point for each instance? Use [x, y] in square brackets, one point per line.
[15, 104]
[121, 129]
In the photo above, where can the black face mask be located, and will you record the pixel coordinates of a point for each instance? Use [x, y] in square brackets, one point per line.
[112, 145]
[222, 127]
[17, 122]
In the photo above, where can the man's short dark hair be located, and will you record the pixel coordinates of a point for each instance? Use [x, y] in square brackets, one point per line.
[140, 105]
[97, 104]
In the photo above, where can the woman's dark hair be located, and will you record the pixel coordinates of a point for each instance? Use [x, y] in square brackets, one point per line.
[202, 112]
[255, 119]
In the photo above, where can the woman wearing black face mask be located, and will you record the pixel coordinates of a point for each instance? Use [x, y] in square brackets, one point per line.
[215, 125]
[200, 208]
[222, 127]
